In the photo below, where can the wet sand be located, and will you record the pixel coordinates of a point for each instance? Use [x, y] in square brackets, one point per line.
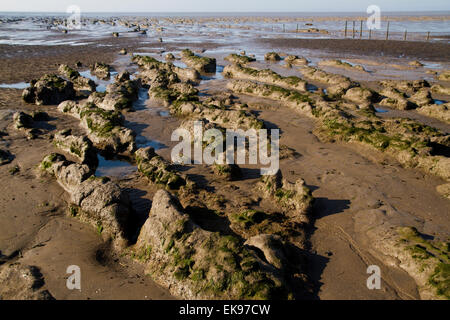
[378, 48]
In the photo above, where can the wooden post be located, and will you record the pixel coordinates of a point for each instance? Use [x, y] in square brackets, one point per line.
[297, 28]
[360, 30]
[346, 24]
[370, 34]
[387, 31]
[428, 36]
[284, 28]
[406, 34]
[353, 29]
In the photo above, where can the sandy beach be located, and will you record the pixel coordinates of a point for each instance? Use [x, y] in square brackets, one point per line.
[364, 165]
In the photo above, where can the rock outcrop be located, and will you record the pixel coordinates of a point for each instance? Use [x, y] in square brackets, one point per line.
[104, 128]
[198, 264]
[201, 64]
[100, 201]
[79, 82]
[101, 70]
[48, 90]
[267, 76]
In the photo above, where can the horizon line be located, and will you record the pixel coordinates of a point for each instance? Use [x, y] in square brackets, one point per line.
[290, 12]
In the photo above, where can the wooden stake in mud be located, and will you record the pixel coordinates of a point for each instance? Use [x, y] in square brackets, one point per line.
[297, 28]
[346, 25]
[360, 30]
[370, 34]
[428, 36]
[354, 29]
[387, 31]
[406, 34]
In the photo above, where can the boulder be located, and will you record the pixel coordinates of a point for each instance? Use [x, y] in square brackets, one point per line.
[197, 264]
[104, 128]
[239, 59]
[157, 170]
[228, 172]
[201, 64]
[295, 60]
[22, 282]
[78, 146]
[101, 70]
[272, 248]
[422, 97]
[101, 201]
[79, 82]
[272, 56]
[48, 90]
[359, 95]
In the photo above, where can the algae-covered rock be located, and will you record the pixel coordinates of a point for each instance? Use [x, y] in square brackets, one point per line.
[296, 60]
[438, 88]
[78, 146]
[295, 197]
[359, 95]
[157, 170]
[395, 99]
[422, 97]
[79, 82]
[101, 70]
[227, 171]
[444, 76]
[201, 64]
[272, 56]
[272, 247]
[342, 65]
[197, 264]
[426, 261]
[338, 84]
[49, 89]
[266, 75]
[121, 94]
[104, 128]
[101, 201]
[239, 59]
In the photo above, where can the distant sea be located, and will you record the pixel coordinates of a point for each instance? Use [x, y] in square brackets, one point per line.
[225, 14]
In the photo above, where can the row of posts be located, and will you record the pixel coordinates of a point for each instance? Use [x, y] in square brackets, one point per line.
[354, 31]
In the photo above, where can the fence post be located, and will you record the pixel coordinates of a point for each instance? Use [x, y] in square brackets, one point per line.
[406, 34]
[284, 28]
[387, 31]
[428, 36]
[297, 28]
[370, 34]
[346, 25]
[353, 29]
[361, 30]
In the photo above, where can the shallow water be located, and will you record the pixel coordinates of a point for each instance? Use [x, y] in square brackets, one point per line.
[114, 168]
[46, 29]
[19, 85]
[101, 84]
[379, 110]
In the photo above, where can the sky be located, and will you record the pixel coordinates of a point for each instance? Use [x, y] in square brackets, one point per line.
[222, 5]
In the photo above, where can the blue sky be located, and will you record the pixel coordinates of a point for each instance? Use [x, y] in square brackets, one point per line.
[223, 5]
